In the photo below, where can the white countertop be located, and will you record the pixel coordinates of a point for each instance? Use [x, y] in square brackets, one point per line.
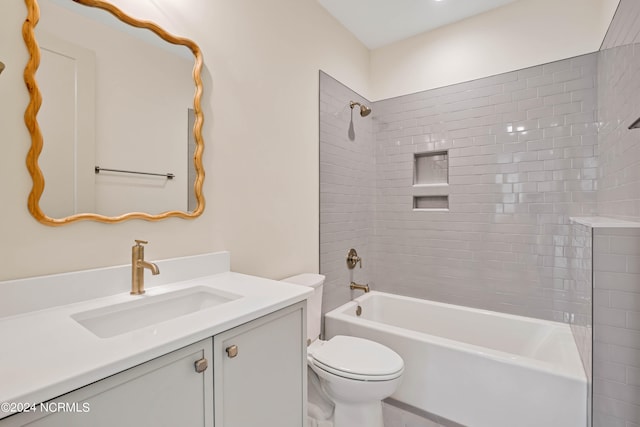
[46, 353]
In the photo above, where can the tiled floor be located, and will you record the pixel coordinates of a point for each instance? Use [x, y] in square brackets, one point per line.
[396, 417]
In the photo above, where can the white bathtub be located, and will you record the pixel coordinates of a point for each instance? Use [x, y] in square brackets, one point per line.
[474, 367]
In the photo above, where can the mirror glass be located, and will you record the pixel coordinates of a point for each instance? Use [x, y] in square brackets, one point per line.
[120, 119]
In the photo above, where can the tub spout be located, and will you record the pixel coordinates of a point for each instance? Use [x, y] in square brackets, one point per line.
[355, 285]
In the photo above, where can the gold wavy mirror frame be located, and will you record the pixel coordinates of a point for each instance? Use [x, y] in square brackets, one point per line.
[30, 116]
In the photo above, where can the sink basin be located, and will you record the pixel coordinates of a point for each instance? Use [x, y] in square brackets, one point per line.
[149, 310]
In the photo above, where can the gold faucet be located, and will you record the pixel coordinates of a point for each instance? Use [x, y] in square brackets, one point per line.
[138, 264]
[355, 285]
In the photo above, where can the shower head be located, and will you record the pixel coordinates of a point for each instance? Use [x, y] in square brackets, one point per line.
[364, 110]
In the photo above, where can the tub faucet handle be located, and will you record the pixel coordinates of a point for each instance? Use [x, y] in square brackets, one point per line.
[353, 259]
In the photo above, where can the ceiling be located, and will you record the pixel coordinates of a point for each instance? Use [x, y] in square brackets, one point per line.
[377, 23]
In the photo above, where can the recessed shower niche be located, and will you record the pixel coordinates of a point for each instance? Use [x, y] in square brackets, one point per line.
[431, 168]
[431, 181]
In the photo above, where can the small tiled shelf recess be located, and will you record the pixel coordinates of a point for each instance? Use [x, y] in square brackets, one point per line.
[431, 181]
[430, 202]
[431, 168]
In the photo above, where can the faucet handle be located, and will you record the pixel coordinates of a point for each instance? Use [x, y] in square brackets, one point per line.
[141, 242]
[353, 259]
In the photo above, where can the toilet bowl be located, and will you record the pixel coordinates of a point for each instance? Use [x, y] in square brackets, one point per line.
[354, 373]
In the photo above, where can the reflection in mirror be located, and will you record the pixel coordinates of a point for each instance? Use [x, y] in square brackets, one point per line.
[114, 96]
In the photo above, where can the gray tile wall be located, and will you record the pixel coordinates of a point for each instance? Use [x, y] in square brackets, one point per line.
[619, 148]
[347, 190]
[521, 160]
[616, 328]
[625, 26]
[616, 299]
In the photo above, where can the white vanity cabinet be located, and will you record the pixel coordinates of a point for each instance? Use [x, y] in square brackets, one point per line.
[164, 392]
[260, 371]
[256, 376]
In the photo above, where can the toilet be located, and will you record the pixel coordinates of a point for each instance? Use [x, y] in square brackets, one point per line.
[356, 374]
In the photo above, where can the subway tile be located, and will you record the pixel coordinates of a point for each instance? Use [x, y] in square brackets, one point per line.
[558, 99]
[625, 245]
[582, 83]
[610, 371]
[524, 156]
[553, 186]
[582, 61]
[563, 166]
[608, 407]
[582, 117]
[540, 113]
[603, 262]
[617, 336]
[618, 391]
[500, 98]
[530, 135]
[514, 86]
[540, 80]
[531, 166]
[542, 144]
[552, 89]
[633, 320]
[534, 104]
[554, 67]
[567, 75]
[578, 152]
[569, 108]
[632, 376]
[546, 122]
[530, 72]
[507, 120]
[601, 419]
[557, 131]
[582, 95]
[515, 147]
[525, 94]
[610, 317]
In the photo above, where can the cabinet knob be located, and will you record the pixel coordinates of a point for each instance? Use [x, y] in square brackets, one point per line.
[232, 351]
[201, 365]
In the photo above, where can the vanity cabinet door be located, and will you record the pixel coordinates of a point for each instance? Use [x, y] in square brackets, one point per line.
[164, 392]
[260, 374]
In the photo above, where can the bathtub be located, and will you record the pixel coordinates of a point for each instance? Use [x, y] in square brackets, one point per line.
[474, 367]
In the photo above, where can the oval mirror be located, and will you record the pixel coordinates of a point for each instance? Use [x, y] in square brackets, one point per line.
[114, 116]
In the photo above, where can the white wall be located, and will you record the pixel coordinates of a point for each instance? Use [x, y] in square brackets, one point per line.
[520, 35]
[261, 135]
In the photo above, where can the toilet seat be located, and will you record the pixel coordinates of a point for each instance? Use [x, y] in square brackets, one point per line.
[356, 358]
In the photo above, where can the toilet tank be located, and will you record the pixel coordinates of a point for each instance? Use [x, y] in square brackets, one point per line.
[314, 301]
